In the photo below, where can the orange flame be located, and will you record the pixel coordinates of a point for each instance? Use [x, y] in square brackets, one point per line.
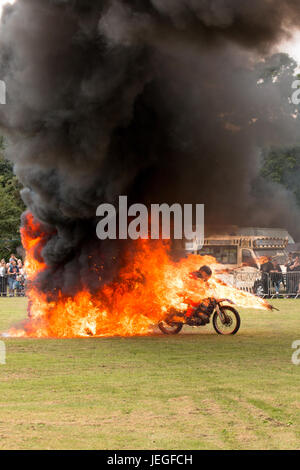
[147, 287]
[263, 259]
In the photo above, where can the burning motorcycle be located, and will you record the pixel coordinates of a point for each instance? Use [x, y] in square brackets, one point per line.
[225, 318]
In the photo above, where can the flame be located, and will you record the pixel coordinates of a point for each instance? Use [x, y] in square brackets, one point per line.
[263, 259]
[147, 287]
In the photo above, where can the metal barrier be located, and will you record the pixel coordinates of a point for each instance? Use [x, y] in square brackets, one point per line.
[245, 280]
[266, 284]
[263, 284]
[3, 286]
[9, 290]
[281, 284]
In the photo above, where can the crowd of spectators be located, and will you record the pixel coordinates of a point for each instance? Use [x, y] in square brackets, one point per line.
[12, 277]
[293, 266]
[290, 281]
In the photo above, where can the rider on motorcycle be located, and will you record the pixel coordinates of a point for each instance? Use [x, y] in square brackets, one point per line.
[206, 307]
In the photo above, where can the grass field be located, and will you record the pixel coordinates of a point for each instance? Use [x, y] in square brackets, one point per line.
[196, 390]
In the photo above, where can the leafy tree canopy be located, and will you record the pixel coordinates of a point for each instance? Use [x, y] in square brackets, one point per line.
[11, 207]
[282, 164]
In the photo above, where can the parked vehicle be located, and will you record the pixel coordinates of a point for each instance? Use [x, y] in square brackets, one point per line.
[242, 252]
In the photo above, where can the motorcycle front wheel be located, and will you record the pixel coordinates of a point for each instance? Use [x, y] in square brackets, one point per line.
[232, 321]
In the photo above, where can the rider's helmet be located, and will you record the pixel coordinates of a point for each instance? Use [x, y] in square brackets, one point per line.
[204, 272]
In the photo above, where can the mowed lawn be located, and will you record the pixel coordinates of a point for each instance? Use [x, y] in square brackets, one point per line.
[196, 390]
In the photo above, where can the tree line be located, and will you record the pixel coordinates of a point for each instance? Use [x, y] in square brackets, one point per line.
[11, 207]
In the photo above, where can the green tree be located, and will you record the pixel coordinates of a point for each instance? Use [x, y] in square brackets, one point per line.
[11, 207]
[282, 165]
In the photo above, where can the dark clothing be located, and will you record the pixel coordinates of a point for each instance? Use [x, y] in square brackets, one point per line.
[205, 309]
[12, 274]
[3, 285]
[288, 265]
[276, 274]
[294, 279]
[276, 277]
[289, 284]
[13, 271]
[196, 275]
[267, 267]
[207, 306]
[296, 269]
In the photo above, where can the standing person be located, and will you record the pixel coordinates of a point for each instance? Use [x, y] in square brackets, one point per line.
[276, 276]
[20, 266]
[12, 274]
[12, 258]
[266, 268]
[3, 278]
[295, 268]
[288, 265]
[18, 285]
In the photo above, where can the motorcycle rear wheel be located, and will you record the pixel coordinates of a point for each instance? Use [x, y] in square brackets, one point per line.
[169, 327]
[232, 326]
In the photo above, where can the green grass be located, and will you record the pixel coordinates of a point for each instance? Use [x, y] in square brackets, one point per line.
[196, 390]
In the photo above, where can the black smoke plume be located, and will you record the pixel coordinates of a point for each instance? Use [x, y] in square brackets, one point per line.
[155, 99]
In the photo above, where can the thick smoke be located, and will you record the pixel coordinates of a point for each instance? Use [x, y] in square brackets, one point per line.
[155, 99]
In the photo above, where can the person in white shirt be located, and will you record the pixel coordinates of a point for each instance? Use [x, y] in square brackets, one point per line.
[3, 278]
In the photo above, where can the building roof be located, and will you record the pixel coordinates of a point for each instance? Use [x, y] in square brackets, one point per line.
[234, 230]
